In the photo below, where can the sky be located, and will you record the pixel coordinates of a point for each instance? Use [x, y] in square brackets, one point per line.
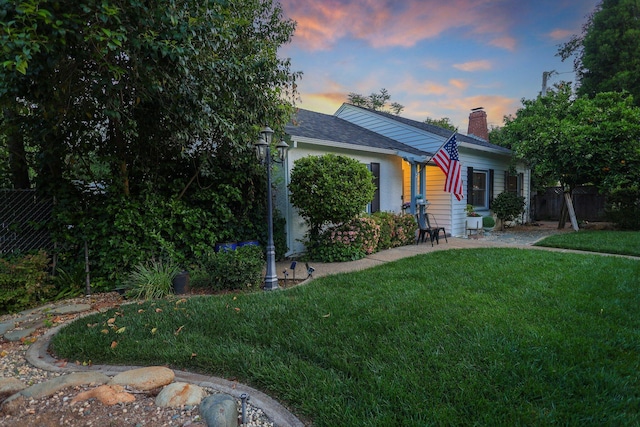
[437, 58]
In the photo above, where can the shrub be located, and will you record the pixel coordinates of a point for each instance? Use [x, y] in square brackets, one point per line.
[230, 270]
[488, 222]
[387, 223]
[24, 282]
[346, 242]
[405, 230]
[507, 206]
[150, 280]
[623, 208]
[329, 189]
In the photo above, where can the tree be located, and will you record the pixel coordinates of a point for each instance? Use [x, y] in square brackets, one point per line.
[444, 123]
[578, 141]
[606, 54]
[137, 85]
[375, 101]
[329, 189]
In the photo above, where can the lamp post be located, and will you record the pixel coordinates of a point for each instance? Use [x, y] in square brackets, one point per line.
[263, 153]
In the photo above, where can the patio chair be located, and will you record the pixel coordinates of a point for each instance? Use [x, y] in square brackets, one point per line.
[437, 229]
[424, 229]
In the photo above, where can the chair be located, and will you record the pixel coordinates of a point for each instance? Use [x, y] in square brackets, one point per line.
[437, 229]
[424, 229]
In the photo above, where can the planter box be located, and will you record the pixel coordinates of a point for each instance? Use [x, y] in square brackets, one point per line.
[474, 223]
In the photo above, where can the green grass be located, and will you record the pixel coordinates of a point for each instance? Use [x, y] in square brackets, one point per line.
[462, 337]
[611, 242]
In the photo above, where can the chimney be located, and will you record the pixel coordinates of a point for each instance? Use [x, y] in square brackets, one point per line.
[478, 123]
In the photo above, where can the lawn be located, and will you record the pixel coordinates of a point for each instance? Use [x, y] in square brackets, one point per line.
[611, 242]
[460, 337]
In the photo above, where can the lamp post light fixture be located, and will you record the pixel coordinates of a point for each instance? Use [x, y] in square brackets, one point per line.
[263, 153]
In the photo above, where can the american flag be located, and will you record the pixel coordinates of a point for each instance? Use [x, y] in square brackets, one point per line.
[448, 160]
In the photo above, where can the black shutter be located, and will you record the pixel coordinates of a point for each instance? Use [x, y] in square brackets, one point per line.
[470, 185]
[375, 203]
[490, 187]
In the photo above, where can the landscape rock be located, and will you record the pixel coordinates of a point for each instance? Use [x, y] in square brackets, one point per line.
[219, 410]
[18, 334]
[107, 394]
[9, 386]
[4, 327]
[144, 378]
[77, 378]
[71, 309]
[178, 394]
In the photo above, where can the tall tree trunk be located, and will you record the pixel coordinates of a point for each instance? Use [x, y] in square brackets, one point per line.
[18, 167]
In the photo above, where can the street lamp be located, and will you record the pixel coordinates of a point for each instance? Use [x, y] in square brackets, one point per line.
[263, 153]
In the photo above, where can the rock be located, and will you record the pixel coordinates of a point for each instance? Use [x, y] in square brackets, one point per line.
[4, 327]
[71, 309]
[107, 394]
[9, 386]
[77, 378]
[17, 335]
[178, 394]
[144, 378]
[12, 406]
[219, 410]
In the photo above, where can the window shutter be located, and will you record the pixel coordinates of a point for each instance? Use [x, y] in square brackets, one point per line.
[375, 203]
[469, 185]
[491, 174]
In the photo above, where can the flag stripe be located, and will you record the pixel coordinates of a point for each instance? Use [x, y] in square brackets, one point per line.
[447, 158]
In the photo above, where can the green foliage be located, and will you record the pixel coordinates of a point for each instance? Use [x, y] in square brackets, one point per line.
[444, 123]
[240, 269]
[375, 101]
[395, 229]
[24, 281]
[507, 206]
[346, 242]
[605, 54]
[578, 141]
[623, 208]
[329, 189]
[152, 279]
[69, 283]
[488, 222]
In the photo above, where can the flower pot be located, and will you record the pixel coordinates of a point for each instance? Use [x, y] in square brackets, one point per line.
[249, 243]
[474, 223]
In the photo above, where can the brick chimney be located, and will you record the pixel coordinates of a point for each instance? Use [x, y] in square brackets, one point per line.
[478, 123]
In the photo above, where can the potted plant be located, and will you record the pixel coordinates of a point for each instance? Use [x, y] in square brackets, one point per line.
[474, 219]
[488, 223]
[420, 200]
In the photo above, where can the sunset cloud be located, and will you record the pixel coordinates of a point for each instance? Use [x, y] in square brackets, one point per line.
[482, 65]
[560, 35]
[391, 23]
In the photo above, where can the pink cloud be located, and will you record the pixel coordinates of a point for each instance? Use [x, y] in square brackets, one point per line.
[560, 34]
[390, 23]
[508, 43]
[482, 65]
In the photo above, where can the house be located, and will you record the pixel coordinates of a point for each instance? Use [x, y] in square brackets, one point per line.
[398, 152]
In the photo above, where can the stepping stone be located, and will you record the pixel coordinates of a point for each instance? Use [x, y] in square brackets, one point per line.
[17, 335]
[77, 378]
[71, 309]
[9, 386]
[6, 326]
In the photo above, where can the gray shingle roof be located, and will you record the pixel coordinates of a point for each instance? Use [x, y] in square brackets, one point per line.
[331, 128]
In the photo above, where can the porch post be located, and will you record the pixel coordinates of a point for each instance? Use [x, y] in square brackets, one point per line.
[423, 180]
[413, 188]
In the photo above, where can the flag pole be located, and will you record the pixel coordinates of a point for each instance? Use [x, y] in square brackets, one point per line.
[443, 144]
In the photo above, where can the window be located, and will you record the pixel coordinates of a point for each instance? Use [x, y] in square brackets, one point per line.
[513, 183]
[479, 197]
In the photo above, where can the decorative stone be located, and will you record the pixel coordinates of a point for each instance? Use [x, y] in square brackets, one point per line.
[4, 327]
[9, 386]
[47, 388]
[107, 394]
[18, 334]
[144, 378]
[219, 410]
[179, 394]
[71, 309]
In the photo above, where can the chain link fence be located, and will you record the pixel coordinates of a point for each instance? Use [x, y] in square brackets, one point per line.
[23, 219]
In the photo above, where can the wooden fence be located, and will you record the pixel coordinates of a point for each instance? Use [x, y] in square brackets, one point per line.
[587, 202]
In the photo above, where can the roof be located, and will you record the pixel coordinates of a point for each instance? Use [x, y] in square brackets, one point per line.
[327, 127]
[437, 130]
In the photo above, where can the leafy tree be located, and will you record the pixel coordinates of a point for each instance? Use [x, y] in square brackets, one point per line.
[150, 103]
[375, 101]
[444, 123]
[329, 189]
[606, 53]
[578, 141]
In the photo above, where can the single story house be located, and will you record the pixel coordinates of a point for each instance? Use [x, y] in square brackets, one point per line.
[399, 152]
